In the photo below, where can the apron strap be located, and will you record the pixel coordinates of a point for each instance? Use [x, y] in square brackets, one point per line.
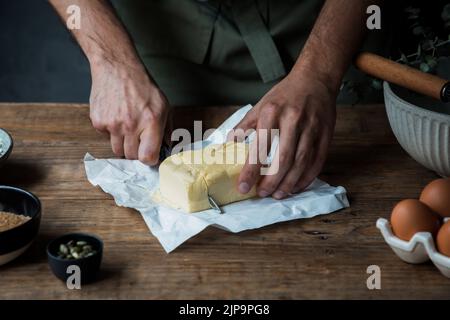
[258, 40]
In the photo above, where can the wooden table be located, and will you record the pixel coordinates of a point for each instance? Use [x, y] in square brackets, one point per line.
[323, 257]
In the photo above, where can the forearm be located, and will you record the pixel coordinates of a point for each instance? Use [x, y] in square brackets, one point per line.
[102, 36]
[335, 38]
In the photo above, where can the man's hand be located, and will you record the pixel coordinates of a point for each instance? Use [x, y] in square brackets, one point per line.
[127, 105]
[302, 107]
[125, 102]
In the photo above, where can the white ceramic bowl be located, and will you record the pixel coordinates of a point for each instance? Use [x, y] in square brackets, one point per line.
[424, 132]
[6, 145]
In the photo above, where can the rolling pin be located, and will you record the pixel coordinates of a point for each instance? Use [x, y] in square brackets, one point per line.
[404, 76]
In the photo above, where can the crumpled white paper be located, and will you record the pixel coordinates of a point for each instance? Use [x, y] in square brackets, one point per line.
[131, 183]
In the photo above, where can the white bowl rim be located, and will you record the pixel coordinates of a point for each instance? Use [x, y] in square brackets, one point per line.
[415, 108]
[8, 143]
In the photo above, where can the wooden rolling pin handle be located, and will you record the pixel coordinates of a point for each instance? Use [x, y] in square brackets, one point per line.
[404, 76]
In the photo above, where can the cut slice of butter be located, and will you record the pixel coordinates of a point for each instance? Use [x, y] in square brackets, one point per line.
[188, 178]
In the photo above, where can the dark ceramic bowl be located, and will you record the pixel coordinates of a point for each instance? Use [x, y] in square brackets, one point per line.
[6, 145]
[16, 241]
[89, 266]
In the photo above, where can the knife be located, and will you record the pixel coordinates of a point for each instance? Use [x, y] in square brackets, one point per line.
[214, 205]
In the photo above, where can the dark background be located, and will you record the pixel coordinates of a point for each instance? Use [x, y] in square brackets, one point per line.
[40, 62]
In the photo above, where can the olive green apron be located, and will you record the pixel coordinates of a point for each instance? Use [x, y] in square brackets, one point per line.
[216, 52]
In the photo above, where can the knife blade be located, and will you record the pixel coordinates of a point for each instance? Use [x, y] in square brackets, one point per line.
[214, 205]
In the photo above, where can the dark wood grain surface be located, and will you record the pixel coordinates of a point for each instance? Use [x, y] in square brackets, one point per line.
[323, 257]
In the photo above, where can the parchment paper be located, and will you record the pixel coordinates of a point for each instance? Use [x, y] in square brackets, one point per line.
[131, 183]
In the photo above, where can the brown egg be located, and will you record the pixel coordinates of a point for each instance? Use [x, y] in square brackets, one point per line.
[436, 195]
[443, 239]
[411, 216]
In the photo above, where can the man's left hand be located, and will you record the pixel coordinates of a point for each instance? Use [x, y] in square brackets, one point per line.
[303, 107]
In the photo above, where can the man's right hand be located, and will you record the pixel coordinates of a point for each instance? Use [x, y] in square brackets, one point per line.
[126, 104]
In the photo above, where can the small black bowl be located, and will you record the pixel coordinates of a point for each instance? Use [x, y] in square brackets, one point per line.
[89, 266]
[7, 140]
[14, 242]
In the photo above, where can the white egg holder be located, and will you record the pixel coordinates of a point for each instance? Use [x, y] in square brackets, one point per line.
[419, 249]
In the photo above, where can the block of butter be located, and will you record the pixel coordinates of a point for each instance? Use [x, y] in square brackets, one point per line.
[187, 178]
